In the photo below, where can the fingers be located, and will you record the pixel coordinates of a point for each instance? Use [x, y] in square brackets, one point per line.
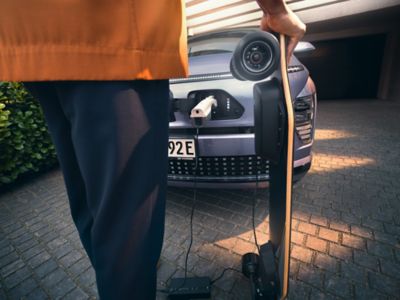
[264, 24]
[290, 48]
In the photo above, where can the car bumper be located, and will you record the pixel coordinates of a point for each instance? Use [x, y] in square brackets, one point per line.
[237, 150]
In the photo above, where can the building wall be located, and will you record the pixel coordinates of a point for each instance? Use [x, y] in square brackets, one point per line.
[389, 85]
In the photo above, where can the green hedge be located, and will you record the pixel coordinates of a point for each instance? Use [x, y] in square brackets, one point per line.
[25, 144]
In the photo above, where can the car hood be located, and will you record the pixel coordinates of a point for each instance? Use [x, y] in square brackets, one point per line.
[209, 64]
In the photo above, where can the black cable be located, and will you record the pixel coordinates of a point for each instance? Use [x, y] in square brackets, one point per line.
[193, 207]
[191, 215]
[223, 273]
[253, 213]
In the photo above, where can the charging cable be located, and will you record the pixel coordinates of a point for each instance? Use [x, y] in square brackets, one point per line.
[202, 111]
[253, 211]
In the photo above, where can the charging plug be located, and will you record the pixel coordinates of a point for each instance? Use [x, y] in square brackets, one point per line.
[202, 111]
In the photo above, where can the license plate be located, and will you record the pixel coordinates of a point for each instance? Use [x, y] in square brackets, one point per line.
[182, 148]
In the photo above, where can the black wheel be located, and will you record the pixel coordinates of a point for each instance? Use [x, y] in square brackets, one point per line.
[256, 56]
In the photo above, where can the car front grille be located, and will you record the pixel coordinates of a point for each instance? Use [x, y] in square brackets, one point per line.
[226, 167]
[304, 115]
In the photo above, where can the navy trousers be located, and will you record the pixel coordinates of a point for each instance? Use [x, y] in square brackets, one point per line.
[111, 139]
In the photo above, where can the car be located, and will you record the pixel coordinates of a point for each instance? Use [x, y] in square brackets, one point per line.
[224, 144]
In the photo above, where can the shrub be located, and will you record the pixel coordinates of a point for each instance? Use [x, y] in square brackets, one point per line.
[25, 144]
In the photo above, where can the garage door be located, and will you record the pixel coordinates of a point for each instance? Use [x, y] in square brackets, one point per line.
[346, 68]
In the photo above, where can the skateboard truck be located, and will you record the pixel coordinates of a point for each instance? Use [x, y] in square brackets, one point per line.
[257, 58]
[261, 270]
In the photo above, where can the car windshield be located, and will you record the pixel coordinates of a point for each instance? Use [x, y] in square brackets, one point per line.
[213, 46]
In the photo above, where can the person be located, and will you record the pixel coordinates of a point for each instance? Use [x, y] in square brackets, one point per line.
[100, 70]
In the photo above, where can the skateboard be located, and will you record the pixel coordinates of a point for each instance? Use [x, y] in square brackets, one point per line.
[261, 57]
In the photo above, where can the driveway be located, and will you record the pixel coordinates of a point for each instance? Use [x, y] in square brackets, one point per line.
[346, 225]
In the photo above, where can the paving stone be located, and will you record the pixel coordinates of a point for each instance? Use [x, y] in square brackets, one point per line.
[37, 294]
[240, 290]
[205, 268]
[318, 295]
[23, 238]
[340, 252]
[316, 244]
[361, 231]
[298, 290]
[228, 243]
[227, 282]
[37, 260]
[384, 284]
[379, 249]
[319, 220]
[165, 271]
[70, 258]
[311, 276]
[244, 247]
[49, 236]
[353, 241]
[172, 252]
[301, 215]
[386, 239]
[51, 279]
[93, 292]
[79, 267]
[390, 268]
[365, 260]
[326, 262]
[76, 294]
[27, 245]
[62, 251]
[373, 224]
[87, 278]
[191, 262]
[46, 268]
[17, 233]
[328, 234]
[62, 288]
[13, 227]
[353, 272]
[23, 289]
[10, 268]
[31, 252]
[301, 254]
[392, 229]
[17, 277]
[362, 292]
[339, 226]
[8, 259]
[338, 286]
[307, 228]
[298, 238]
[56, 243]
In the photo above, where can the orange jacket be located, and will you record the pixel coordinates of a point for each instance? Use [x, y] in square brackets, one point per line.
[92, 39]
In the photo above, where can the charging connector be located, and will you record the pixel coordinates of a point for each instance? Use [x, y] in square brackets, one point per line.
[194, 287]
[202, 111]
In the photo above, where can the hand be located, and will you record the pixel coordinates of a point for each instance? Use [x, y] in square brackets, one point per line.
[287, 23]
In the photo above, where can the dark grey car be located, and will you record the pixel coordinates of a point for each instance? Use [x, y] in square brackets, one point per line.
[225, 145]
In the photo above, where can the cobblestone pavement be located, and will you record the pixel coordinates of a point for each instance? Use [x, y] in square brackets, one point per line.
[346, 229]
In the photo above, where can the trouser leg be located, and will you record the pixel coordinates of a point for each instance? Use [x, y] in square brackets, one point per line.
[60, 131]
[120, 135]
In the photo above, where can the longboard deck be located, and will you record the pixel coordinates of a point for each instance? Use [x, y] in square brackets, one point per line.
[284, 259]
